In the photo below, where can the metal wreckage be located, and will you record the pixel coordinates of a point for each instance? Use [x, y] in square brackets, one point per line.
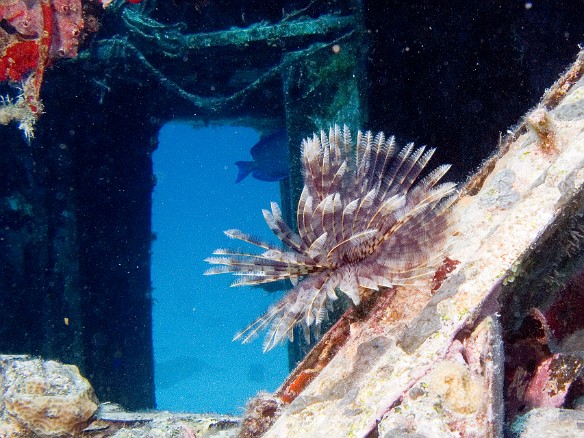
[486, 341]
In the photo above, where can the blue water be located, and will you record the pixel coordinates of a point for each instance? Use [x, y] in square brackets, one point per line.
[197, 366]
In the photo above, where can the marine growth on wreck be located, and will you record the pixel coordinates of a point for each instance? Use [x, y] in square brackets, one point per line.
[465, 316]
[366, 220]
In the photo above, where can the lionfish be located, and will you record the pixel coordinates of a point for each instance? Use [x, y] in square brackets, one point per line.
[366, 220]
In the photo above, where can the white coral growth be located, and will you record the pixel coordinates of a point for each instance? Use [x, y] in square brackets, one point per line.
[365, 220]
[25, 109]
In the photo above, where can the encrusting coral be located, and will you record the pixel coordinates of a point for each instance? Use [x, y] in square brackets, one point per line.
[365, 221]
[43, 398]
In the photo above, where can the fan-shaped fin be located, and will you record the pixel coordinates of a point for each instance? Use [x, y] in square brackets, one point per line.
[240, 235]
[317, 246]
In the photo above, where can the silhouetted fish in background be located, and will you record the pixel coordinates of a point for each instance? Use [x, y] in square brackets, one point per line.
[270, 159]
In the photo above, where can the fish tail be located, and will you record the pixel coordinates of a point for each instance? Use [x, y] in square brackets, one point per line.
[245, 168]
